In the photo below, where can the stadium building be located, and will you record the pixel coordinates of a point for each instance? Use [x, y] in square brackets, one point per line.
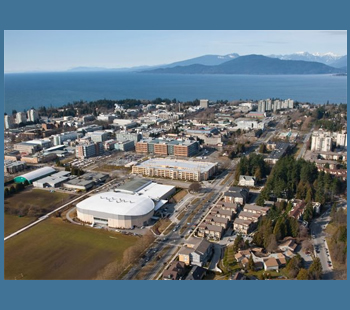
[116, 209]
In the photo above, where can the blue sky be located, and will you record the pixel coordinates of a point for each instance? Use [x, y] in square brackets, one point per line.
[61, 50]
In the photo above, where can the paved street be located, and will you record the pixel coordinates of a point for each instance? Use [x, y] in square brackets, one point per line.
[320, 245]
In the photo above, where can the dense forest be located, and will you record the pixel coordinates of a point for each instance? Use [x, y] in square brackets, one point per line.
[291, 178]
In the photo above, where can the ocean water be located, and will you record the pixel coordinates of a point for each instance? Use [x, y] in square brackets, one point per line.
[23, 91]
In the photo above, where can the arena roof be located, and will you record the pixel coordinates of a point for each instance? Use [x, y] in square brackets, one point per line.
[117, 203]
[35, 175]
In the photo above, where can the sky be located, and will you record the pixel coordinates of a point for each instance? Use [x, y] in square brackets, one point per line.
[55, 50]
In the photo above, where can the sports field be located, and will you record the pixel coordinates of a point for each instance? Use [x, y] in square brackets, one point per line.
[55, 249]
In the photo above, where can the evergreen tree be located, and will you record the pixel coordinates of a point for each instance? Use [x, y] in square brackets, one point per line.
[303, 274]
[251, 265]
[315, 270]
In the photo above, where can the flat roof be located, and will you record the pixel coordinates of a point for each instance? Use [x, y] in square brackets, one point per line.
[177, 164]
[53, 179]
[117, 203]
[155, 191]
[134, 185]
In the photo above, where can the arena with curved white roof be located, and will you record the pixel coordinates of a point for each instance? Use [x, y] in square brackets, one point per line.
[116, 209]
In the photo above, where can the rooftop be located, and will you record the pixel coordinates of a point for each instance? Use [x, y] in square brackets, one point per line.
[118, 203]
[177, 164]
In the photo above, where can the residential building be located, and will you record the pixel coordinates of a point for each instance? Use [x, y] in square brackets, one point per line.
[32, 115]
[280, 151]
[244, 226]
[210, 231]
[271, 264]
[176, 169]
[21, 117]
[175, 271]
[236, 194]
[196, 273]
[8, 121]
[321, 141]
[196, 251]
[182, 148]
[204, 103]
[246, 180]
[256, 209]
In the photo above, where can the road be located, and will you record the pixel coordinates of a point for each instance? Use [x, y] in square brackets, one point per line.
[321, 248]
[217, 189]
[44, 217]
[303, 149]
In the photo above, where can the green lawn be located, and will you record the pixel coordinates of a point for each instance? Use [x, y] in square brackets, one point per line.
[55, 249]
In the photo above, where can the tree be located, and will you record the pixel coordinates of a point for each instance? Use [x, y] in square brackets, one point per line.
[12, 190]
[280, 229]
[195, 187]
[239, 242]
[262, 148]
[303, 274]
[294, 266]
[272, 243]
[251, 265]
[308, 213]
[315, 270]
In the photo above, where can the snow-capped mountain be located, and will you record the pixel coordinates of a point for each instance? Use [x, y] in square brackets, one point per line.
[326, 58]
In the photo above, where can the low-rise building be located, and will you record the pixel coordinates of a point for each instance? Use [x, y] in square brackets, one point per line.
[246, 180]
[196, 251]
[244, 226]
[196, 273]
[271, 264]
[175, 271]
[236, 194]
[210, 231]
[176, 169]
[253, 208]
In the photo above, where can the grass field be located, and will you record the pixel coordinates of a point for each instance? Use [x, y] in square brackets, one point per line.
[40, 202]
[55, 249]
[181, 194]
[37, 197]
[14, 223]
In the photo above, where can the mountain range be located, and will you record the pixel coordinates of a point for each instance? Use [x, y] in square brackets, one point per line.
[254, 64]
[297, 63]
